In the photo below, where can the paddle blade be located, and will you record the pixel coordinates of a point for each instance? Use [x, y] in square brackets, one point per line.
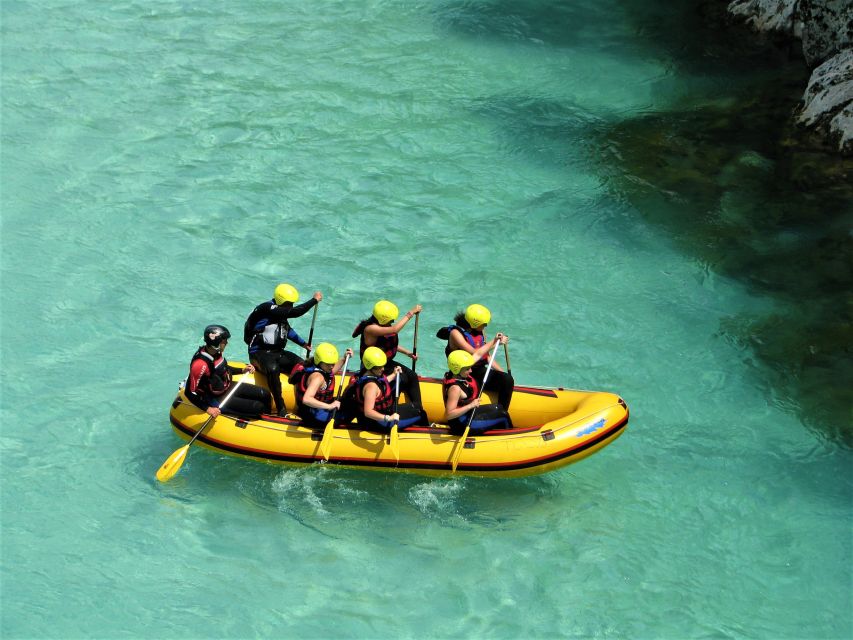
[173, 464]
[395, 443]
[458, 452]
[326, 442]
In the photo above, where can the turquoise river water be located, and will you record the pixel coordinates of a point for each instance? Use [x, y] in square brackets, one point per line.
[166, 163]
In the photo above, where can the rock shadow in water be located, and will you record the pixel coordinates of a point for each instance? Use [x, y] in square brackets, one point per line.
[722, 174]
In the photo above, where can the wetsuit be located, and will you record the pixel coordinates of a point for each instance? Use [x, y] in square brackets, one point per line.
[388, 343]
[267, 331]
[409, 412]
[312, 416]
[500, 382]
[209, 381]
[486, 416]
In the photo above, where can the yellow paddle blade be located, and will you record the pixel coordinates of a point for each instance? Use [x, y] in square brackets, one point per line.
[172, 464]
[458, 452]
[395, 443]
[326, 442]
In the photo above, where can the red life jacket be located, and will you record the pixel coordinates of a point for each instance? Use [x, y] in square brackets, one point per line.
[385, 400]
[299, 379]
[468, 386]
[388, 343]
[218, 379]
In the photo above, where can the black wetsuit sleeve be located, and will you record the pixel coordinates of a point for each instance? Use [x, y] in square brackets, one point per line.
[302, 309]
[281, 314]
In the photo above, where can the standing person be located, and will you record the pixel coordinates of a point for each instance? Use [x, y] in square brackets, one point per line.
[467, 334]
[374, 395]
[210, 379]
[380, 330]
[267, 331]
[314, 385]
[461, 396]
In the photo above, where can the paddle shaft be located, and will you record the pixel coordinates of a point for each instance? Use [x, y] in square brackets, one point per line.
[340, 391]
[415, 346]
[221, 404]
[506, 355]
[483, 386]
[458, 453]
[396, 392]
[311, 332]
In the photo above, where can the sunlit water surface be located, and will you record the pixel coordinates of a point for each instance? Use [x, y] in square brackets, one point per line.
[165, 164]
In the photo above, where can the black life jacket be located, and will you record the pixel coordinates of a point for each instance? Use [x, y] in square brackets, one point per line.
[387, 343]
[218, 379]
[384, 402]
[260, 333]
[468, 386]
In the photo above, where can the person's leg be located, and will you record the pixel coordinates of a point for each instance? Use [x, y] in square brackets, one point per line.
[408, 382]
[255, 393]
[411, 414]
[287, 360]
[244, 407]
[490, 416]
[268, 364]
[314, 418]
[487, 416]
[502, 384]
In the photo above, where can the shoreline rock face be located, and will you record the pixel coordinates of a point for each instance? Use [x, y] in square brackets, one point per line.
[825, 28]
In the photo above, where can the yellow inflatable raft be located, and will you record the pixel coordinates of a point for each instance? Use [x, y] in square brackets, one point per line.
[553, 427]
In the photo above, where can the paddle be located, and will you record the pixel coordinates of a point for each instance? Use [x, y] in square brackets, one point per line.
[506, 355]
[415, 345]
[173, 462]
[461, 445]
[326, 442]
[311, 332]
[395, 437]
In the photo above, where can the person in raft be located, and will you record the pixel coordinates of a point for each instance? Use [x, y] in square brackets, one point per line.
[374, 396]
[380, 330]
[267, 330]
[314, 385]
[461, 396]
[467, 335]
[210, 379]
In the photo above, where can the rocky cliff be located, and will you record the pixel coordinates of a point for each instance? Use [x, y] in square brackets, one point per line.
[824, 29]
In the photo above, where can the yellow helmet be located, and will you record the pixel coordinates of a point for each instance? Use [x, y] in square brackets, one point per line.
[285, 293]
[373, 357]
[325, 353]
[477, 315]
[385, 312]
[458, 360]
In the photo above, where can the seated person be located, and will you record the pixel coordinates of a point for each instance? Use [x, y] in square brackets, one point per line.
[468, 334]
[462, 399]
[375, 397]
[314, 385]
[210, 379]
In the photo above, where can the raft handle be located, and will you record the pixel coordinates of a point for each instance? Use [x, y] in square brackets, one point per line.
[548, 434]
[316, 436]
[240, 424]
[469, 443]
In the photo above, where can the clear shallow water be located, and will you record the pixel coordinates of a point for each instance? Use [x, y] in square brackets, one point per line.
[164, 166]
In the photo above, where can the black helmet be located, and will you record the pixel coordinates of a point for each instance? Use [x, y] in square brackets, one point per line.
[214, 334]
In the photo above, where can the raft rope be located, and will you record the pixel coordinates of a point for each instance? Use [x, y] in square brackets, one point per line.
[494, 439]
